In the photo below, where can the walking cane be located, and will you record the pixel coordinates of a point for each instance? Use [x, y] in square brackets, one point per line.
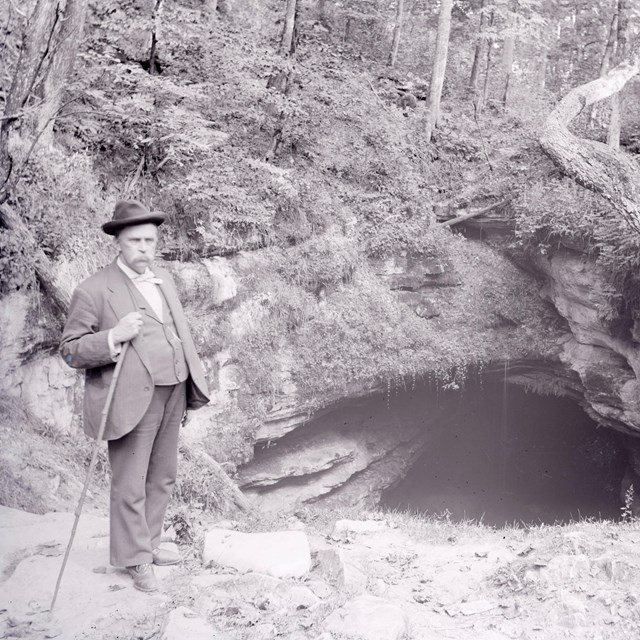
[92, 466]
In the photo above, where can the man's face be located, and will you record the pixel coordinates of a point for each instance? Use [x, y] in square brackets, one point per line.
[138, 245]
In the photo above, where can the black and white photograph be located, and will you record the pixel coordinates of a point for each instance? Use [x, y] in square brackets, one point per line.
[320, 319]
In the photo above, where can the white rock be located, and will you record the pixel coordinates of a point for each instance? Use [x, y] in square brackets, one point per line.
[296, 596]
[341, 570]
[223, 278]
[571, 602]
[184, 624]
[471, 608]
[345, 527]
[281, 554]
[227, 524]
[263, 631]
[566, 568]
[320, 588]
[614, 568]
[368, 618]
[248, 587]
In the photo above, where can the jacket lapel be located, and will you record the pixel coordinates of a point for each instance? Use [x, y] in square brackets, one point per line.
[182, 329]
[122, 302]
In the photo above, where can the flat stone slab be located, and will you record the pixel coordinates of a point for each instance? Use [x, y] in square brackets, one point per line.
[23, 532]
[87, 602]
[368, 618]
[282, 554]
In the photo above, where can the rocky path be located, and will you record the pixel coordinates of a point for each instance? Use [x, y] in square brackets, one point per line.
[393, 579]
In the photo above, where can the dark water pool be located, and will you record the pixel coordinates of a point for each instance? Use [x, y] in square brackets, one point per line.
[515, 458]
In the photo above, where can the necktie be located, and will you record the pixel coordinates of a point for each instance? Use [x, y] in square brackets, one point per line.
[147, 276]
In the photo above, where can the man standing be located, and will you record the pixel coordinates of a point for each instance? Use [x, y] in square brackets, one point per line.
[160, 379]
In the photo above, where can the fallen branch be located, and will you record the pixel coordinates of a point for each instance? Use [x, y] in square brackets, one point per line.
[475, 213]
[375, 93]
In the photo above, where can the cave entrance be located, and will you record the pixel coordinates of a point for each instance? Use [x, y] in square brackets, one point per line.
[511, 457]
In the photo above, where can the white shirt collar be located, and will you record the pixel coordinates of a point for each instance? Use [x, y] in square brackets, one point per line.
[128, 271]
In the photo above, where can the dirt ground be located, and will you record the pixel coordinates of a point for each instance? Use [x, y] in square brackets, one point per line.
[379, 577]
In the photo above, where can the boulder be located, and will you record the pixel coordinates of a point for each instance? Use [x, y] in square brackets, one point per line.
[341, 571]
[368, 618]
[283, 554]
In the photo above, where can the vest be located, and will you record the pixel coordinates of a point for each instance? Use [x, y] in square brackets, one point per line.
[162, 345]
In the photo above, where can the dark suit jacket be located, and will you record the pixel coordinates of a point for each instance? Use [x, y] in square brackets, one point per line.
[96, 306]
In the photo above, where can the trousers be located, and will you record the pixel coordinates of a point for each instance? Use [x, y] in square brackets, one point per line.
[144, 464]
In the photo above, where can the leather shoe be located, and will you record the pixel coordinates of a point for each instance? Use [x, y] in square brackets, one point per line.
[144, 579]
[164, 557]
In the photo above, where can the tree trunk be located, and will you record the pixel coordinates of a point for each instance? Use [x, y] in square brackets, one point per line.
[613, 134]
[67, 43]
[288, 42]
[609, 50]
[607, 56]
[542, 72]
[479, 51]
[439, 66]
[487, 72]
[323, 18]
[619, 53]
[397, 29]
[281, 80]
[508, 53]
[346, 37]
[34, 49]
[155, 34]
[596, 166]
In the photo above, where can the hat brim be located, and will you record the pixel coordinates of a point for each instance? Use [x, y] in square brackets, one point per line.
[156, 217]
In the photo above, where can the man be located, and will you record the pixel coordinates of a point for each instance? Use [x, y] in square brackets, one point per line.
[160, 379]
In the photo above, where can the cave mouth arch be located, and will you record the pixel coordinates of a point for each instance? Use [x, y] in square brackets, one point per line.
[512, 457]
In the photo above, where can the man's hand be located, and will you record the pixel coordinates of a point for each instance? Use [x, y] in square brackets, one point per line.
[128, 327]
[186, 418]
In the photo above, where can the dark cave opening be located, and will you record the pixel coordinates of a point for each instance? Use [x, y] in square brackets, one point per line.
[512, 457]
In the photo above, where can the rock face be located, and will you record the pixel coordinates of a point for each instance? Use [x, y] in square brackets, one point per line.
[347, 455]
[608, 367]
[412, 278]
[45, 384]
[334, 447]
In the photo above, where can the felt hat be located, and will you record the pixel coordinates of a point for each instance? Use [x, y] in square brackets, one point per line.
[131, 212]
